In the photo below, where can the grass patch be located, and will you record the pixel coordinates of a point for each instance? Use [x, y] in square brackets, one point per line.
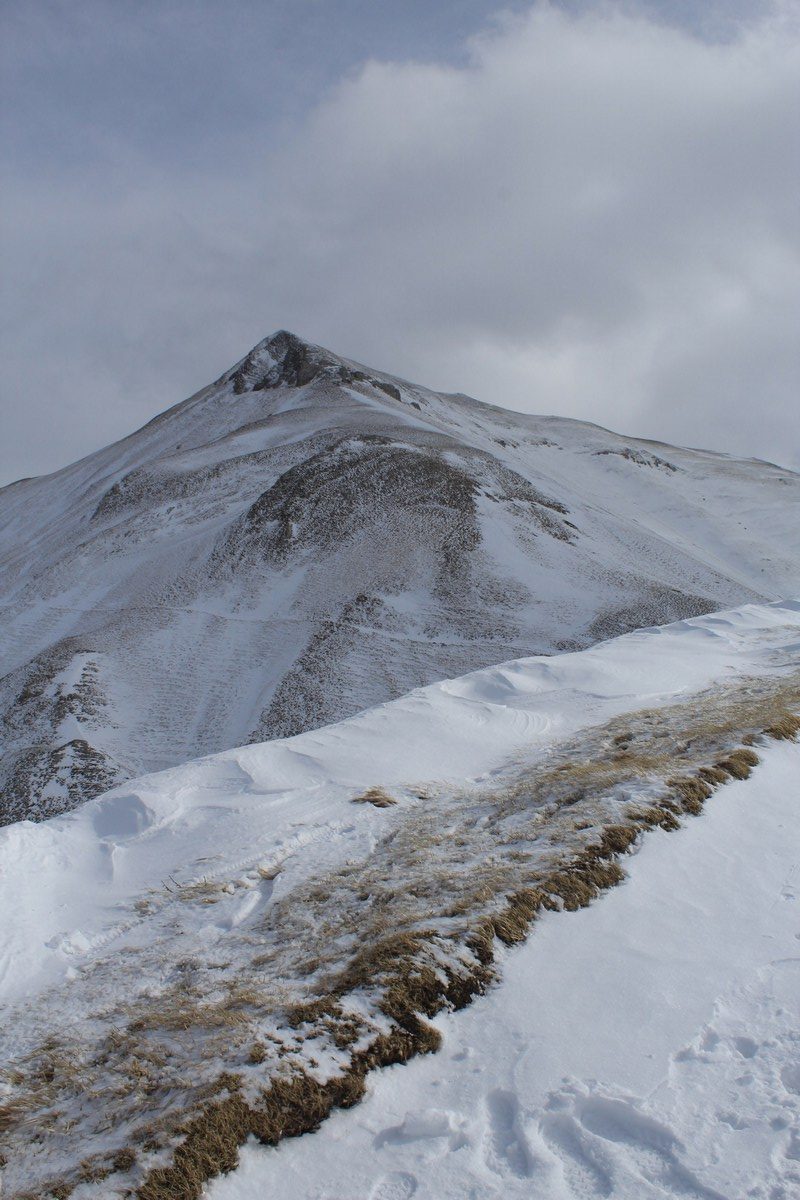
[739, 764]
[785, 728]
[691, 793]
[355, 963]
[376, 796]
[412, 988]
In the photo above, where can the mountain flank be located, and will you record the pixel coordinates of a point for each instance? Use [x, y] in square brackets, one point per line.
[308, 537]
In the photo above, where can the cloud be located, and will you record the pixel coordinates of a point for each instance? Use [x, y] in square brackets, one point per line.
[592, 214]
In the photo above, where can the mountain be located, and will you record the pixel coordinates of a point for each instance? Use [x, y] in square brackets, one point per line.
[307, 537]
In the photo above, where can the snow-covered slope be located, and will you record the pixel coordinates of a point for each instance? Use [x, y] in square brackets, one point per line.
[73, 875]
[307, 537]
[645, 1048]
[161, 928]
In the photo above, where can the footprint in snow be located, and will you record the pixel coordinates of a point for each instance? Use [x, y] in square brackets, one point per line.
[607, 1144]
[397, 1185]
[747, 1047]
[584, 1168]
[790, 1077]
[254, 900]
[507, 1151]
[417, 1126]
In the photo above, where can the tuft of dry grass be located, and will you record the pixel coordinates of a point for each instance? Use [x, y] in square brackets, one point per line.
[257, 1053]
[691, 793]
[377, 796]
[740, 763]
[650, 816]
[713, 775]
[785, 728]
[615, 839]
[292, 1105]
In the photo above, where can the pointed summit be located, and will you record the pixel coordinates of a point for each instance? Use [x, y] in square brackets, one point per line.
[285, 359]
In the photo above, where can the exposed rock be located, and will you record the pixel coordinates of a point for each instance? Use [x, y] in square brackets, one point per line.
[307, 537]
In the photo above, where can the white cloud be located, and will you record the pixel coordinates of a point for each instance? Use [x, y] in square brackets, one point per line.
[595, 216]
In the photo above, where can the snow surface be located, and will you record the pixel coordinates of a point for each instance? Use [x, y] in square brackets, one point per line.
[646, 1047]
[72, 882]
[306, 538]
[642, 992]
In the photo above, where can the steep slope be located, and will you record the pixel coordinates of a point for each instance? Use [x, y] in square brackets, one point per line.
[307, 537]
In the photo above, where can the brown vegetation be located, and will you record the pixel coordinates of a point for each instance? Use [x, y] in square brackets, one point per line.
[376, 796]
[740, 763]
[785, 728]
[550, 845]
[411, 987]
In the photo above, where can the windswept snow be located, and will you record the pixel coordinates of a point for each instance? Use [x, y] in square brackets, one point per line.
[306, 538]
[645, 1048]
[73, 881]
[162, 894]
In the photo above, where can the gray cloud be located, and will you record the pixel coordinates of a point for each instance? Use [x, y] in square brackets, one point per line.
[589, 212]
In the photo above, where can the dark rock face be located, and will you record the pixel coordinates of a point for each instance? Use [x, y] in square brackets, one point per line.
[657, 606]
[308, 537]
[282, 359]
[642, 457]
[54, 771]
[307, 695]
[43, 783]
[341, 492]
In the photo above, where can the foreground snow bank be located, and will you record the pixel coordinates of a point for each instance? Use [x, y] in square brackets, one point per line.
[644, 1047]
[210, 930]
[73, 882]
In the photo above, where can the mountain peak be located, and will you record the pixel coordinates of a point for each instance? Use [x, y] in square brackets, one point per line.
[266, 562]
[282, 358]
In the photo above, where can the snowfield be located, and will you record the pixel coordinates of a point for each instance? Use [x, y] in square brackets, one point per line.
[644, 1048]
[74, 880]
[176, 923]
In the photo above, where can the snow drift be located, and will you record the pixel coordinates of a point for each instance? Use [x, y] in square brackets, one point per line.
[181, 939]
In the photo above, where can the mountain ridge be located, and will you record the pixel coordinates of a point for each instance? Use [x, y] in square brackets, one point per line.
[306, 537]
[335, 360]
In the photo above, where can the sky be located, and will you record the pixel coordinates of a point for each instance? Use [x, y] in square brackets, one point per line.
[582, 208]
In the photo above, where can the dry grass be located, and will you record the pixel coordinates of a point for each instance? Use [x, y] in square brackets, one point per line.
[691, 792]
[406, 972]
[785, 728]
[291, 1106]
[713, 775]
[739, 764]
[474, 871]
[650, 816]
[377, 796]
[299, 1103]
